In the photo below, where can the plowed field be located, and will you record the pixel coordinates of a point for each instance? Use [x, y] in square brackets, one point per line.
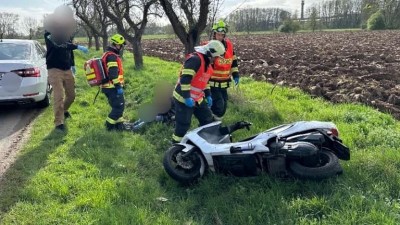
[338, 66]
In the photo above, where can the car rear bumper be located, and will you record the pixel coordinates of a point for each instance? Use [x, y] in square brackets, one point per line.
[26, 94]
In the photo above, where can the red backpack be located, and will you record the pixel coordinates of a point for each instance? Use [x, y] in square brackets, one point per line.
[95, 73]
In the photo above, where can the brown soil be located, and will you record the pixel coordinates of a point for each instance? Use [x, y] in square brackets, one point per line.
[338, 66]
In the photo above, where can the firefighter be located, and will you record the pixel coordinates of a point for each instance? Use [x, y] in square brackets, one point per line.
[113, 89]
[225, 68]
[192, 94]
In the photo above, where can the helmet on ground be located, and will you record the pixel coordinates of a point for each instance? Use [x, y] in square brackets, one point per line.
[220, 27]
[117, 39]
[215, 48]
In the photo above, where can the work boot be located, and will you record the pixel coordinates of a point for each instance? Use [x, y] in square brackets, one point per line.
[120, 126]
[67, 115]
[216, 118]
[60, 127]
[109, 126]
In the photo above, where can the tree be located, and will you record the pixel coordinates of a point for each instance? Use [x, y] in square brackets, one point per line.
[8, 21]
[91, 13]
[31, 25]
[313, 19]
[189, 26]
[376, 21]
[130, 18]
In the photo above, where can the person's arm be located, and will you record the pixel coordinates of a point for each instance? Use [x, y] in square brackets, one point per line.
[190, 68]
[112, 67]
[234, 67]
[50, 42]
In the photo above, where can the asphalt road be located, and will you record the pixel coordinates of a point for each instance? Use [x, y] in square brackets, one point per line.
[14, 130]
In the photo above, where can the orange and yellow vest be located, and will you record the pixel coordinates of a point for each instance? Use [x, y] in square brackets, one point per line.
[222, 65]
[110, 84]
[199, 81]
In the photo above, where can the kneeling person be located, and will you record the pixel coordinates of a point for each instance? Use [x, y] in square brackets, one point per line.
[192, 92]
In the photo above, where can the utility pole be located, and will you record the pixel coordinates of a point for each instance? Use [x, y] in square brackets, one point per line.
[302, 10]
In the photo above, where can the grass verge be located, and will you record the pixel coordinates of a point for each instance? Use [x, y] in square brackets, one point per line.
[90, 176]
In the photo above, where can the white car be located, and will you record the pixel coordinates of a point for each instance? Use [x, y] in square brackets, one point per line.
[23, 73]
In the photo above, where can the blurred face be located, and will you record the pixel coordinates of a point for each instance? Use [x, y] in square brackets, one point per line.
[119, 47]
[219, 36]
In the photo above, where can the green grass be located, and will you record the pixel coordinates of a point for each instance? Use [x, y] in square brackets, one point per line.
[90, 176]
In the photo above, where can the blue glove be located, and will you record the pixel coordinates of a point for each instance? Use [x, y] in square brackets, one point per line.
[83, 49]
[189, 102]
[120, 91]
[209, 101]
[73, 69]
[236, 80]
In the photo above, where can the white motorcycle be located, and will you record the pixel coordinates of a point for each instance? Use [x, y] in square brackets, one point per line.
[305, 149]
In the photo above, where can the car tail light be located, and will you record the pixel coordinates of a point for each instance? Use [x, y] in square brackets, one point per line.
[29, 72]
[334, 132]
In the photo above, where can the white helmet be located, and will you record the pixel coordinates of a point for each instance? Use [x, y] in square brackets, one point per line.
[215, 48]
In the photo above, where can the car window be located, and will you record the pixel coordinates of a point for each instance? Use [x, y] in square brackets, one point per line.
[14, 51]
[41, 52]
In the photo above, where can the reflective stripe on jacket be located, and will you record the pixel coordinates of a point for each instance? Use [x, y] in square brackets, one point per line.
[106, 65]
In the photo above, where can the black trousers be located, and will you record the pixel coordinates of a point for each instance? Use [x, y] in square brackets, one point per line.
[220, 101]
[183, 116]
[117, 103]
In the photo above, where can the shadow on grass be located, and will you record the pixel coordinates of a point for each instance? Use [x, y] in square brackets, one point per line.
[24, 168]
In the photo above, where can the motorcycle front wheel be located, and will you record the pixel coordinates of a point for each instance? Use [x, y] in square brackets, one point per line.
[183, 169]
[327, 166]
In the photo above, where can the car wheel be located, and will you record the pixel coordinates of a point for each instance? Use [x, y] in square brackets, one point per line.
[46, 101]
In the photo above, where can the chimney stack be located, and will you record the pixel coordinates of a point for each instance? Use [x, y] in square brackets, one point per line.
[302, 9]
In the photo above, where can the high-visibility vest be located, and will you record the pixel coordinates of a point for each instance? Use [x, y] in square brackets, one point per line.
[199, 81]
[222, 65]
[120, 69]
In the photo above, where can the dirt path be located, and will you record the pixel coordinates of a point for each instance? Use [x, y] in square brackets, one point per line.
[15, 126]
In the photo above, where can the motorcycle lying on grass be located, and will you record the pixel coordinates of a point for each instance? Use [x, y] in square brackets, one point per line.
[305, 149]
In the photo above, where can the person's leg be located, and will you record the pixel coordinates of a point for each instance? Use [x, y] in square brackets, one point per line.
[218, 102]
[183, 117]
[117, 103]
[69, 86]
[55, 80]
[224, 94]
[203, 114]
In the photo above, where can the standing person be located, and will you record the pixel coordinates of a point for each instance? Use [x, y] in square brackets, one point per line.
[113, 88]
[192, 94]
[225, 68]
[58, 60]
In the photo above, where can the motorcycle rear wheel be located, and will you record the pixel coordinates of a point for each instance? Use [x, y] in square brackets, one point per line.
[183, 170]
[328, 166]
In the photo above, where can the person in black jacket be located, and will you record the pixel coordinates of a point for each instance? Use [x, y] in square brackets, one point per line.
[59, 62]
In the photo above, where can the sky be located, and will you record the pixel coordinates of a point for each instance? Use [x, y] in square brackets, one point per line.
[38, 8]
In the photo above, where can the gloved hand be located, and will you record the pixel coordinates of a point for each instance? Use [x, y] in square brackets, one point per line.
[189, 102]
[83, 49]
[120, 91]
[209, 101]
[236, 80]
[73, 69]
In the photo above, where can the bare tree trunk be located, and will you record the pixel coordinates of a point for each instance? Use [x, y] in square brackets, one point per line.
[90, 38]
[196, 25]
[137, 52]
[104, 37]
[97, 42]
